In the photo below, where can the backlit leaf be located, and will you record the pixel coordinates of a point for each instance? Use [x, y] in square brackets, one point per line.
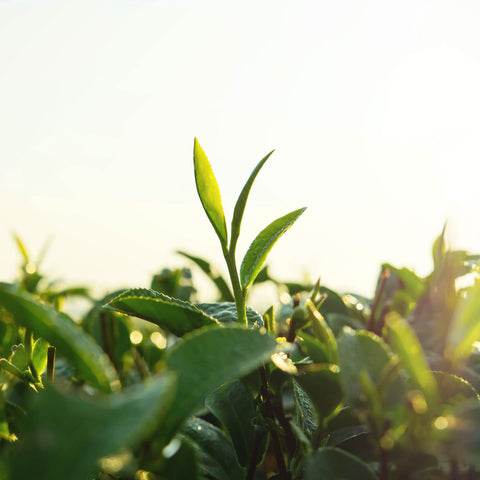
[242, 201]
[62, 332]
[209, 193]
[260, 248]
[176, 316]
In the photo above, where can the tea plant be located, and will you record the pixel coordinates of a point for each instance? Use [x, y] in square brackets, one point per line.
[153, 384]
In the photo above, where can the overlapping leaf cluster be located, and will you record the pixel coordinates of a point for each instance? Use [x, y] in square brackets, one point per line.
[151, 383]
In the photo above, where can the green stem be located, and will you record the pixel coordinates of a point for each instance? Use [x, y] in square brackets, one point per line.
[239, 294]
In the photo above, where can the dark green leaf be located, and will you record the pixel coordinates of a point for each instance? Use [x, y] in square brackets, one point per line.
[259, 249]
[63, 437]
[242, 201]
[214, 450]
[63, 333]
[183, 464]
[226, 312]
[208, 358]
[209, 192]
[232, 405]
[330, 463]
[176, 316]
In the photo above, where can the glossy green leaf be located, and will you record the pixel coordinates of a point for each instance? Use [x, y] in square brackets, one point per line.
[260, 248]
[208, 358]
[63, 437]
[217, 279]
[465, 327]
[62, 332]
[39, 355]
[214, 449]
[406, 345]
[330, 463]
[176, 316]
[242, 201]
[209, 192]
[232, 405]
[226, 312]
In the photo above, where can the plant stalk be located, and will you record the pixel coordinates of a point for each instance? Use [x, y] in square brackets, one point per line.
[51, 363]
[238, 292]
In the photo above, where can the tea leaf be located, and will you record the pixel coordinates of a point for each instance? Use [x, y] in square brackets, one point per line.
[176, 316]
[232, 405]
[39, 355]
[408, 348]
[260, 248]
[208, 358]
[465, 327]
[209, 193]
[226, 312]
[332, 463]
[214, 450]
[63, 437]
[242, 201]
[62, 332]
[364, 352]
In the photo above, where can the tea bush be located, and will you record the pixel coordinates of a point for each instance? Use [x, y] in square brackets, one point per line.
[153, 384]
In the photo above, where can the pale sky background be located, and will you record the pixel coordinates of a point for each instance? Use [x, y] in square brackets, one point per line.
[373, 108]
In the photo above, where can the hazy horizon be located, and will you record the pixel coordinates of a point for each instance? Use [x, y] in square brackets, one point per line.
[373, 109]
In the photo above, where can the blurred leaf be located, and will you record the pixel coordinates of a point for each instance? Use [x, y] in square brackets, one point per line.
[226, 312]
[214, 450]
[208, 358]
[414, 285]
[217, 279]
[183, 464]
[365, 352]
[454, 390]
[330, 463]
[242, 201]
[39, 355]
[60, 331]
[465, 326]
[176, 316]
[322, 332]
[209, 193]
[260, 248]
[232, 405]
[333, 303]
[21, 248]
[313, 348]
[19, 357]
[63, 437]
[409, 350]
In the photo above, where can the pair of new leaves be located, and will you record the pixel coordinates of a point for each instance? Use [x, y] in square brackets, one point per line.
[209, 194]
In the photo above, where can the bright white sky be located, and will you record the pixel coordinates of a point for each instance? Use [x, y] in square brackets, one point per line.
[373, 108]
